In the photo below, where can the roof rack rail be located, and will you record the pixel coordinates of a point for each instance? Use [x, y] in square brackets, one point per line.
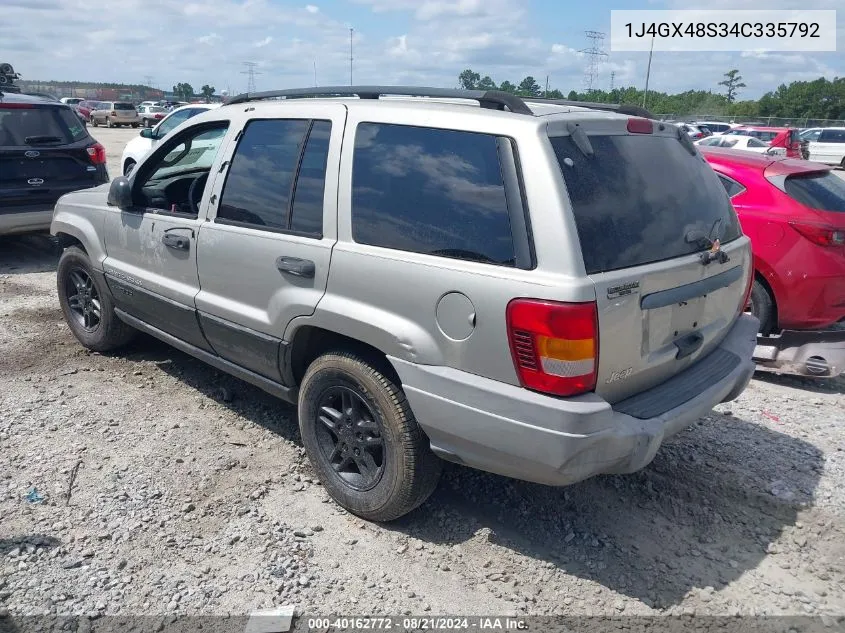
[491, 99]
[623, 108]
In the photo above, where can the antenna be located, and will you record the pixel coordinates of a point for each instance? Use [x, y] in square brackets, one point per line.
[648, 72]
[251, 73]
[595, 55]
[612, 77]
[351, 30]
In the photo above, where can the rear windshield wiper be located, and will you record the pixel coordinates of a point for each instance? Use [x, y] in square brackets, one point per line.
[35, 140]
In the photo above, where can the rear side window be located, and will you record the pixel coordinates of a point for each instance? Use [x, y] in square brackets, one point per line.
[39, 126]
[433, 191]
[259, 190]
[832, 136]
[819, 190]
[753, 142]
[731, 186]
[638, 198]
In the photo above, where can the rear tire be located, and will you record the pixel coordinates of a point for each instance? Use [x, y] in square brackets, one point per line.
[763, 307]
[87, 305]
[346, 405]
[134, 125]
[93, 122]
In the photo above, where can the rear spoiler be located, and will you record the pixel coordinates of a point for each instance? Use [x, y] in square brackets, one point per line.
[621, 108]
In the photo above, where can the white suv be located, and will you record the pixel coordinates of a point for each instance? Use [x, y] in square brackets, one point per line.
[142, 145]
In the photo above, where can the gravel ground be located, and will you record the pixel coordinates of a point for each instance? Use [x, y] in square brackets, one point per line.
[190, 494]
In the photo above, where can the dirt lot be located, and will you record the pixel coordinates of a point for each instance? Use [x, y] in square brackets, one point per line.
[190, 494]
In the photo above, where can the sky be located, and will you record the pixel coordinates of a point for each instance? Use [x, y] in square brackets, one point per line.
[417, 42]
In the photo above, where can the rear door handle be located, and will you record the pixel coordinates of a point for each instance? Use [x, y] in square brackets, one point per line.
[296, 266]
[178, 242]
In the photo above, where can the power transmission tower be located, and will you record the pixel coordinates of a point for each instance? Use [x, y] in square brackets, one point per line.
[251, 73]
[595, 54]
[148, 81]
[612, 77]
[351, 30]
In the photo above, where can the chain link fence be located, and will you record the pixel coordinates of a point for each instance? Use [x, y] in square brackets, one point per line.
[769, 121]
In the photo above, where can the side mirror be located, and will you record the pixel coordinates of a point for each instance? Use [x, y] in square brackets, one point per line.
[147, 133]
[120, 193]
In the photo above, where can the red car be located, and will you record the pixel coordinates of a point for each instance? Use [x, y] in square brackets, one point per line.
[786, 138]
[794, 213]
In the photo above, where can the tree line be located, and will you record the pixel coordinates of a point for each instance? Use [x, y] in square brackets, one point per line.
[818, 99]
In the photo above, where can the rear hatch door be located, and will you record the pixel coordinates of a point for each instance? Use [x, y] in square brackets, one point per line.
[662, 244]
[43, 155]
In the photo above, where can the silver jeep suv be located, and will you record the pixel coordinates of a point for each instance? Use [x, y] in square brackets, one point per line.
[536, 289]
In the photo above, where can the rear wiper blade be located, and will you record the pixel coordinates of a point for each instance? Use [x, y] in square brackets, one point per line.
[34, 140]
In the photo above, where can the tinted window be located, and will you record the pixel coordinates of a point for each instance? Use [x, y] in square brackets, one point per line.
[711, 141]
[731, 186]
[753, 142]
[832, 136]
[819, 190]
[123, 106]
[432, 191]
[307, 209]
[638, 197]
[40, 126]
[810, 135]
[173, 121]
[258, 187]
[730, 142]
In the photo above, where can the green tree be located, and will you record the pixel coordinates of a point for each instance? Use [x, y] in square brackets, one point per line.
[183, 90]
[469, 79]
[732, 82]
[207, 92]
[555, 94]
[507, 86]
[528, 87]
[486, 83]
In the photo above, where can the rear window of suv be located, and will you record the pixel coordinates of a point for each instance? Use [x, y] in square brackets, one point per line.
[818, 190]
[39, 126]
[638, 198]
[123, 106]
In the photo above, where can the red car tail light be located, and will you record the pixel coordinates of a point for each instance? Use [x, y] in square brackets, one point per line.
[555, 346]
[640, 126]
[97, 154]
[821, 235]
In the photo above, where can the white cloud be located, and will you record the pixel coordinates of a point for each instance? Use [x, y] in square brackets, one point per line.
[264, 42]
[208, 39]
[312, 8]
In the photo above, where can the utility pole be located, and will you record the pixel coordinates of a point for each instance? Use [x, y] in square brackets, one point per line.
[612, 77]
[351, 30]
[251, 73]
[546, 93]
[648, 71]
[315, 73]
[595, 53]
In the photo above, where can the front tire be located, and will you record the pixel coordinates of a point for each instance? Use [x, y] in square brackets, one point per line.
[763, 307]
[109, 122]
[87, 305]
[362, 438]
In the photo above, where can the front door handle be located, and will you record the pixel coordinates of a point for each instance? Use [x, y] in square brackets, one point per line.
[178, 242]
[296, 266]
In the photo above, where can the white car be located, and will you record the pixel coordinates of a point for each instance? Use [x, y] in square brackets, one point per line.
[826, 145]
[717, 127]
[735, 141]
[142, 145]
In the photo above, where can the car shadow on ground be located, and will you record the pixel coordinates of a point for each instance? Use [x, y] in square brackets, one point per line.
[27, 254]
[700, 515]
[816, 385]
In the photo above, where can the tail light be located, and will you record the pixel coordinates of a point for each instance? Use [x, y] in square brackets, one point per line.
[555, 346]
[640, 126]
[97, 154]
[16, 106]
[821, 235]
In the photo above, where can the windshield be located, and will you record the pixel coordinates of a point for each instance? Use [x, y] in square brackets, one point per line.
[39, 126]
[639, 199]
[818, 190]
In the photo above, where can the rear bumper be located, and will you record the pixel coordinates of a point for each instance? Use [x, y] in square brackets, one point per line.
[807, 353]
[515, 432]
[29, 219]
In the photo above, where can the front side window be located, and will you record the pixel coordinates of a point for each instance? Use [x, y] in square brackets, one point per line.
[277, 176]
[175, 179]
[432, 191]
